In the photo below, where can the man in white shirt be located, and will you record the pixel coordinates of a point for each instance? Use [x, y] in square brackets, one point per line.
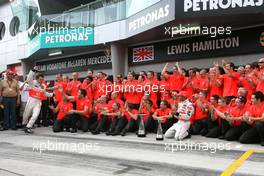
[23, 86]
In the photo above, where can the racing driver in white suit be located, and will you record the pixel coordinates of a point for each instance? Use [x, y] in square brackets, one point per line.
[37, 92]
[185, 110]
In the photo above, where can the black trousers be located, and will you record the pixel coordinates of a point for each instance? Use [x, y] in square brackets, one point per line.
[9, 112]
[101, 125]
[199, 126]
[95, 123]
[254, 134]
[235, 132]
[43, 115]
[118, 124]
[150, 125]
[59, 125]
[1, 116]
[165, 126]
[19, 119]
[83, 122]
[224, 126]
[214, 129]
[260, 128]
[132, 125]
[53, 114]
[74, 105]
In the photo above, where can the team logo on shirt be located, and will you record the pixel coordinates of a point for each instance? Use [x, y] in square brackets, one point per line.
[262, 39]
[142, 54]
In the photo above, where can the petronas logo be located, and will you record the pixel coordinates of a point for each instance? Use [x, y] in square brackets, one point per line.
[262, 39]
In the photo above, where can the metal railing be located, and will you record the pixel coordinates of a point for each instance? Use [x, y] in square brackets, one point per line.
[90, 15]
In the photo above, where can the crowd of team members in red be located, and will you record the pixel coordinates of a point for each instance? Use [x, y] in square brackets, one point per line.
[228, 103]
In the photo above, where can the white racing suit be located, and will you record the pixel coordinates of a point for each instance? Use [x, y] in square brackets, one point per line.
[33, 106]
[180, 129]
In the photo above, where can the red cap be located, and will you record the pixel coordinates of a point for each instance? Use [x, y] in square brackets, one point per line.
[183, 93]
[9, 72]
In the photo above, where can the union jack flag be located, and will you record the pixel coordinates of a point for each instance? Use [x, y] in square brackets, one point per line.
[142, 54]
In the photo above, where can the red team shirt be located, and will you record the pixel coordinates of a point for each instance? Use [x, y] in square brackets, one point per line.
[236, 112]
[74, 86]
[63, 109]
[164, 85]
[198, 115]
[133, 111]
[88, 88]
[255, 111]
[97, 108]
[111, 102]
[230, 84]
[244, 83]
[154, 89]
[81, 104]
[173, 102]
[203, 83]
[58, 95]
[141, 94]
[175, 82]
[213, 89]
[260, 83]
[222, 109]
[100, 88]
[164, 112]
[145, 111]
[189, 89]
[130, 93]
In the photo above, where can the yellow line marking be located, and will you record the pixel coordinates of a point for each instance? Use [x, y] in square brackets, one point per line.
[237, 163]
[259, 151]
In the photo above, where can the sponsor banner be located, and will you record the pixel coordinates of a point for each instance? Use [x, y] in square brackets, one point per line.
[238, 42]
[198, 8]
[62, 37]
[75, 63]
[158, 14]
[67, 38]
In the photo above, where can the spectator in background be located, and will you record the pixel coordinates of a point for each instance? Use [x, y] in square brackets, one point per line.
[9, 89]
[18, 117]
[24, 98]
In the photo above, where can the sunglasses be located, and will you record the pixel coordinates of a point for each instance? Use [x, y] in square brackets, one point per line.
[260, 62]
